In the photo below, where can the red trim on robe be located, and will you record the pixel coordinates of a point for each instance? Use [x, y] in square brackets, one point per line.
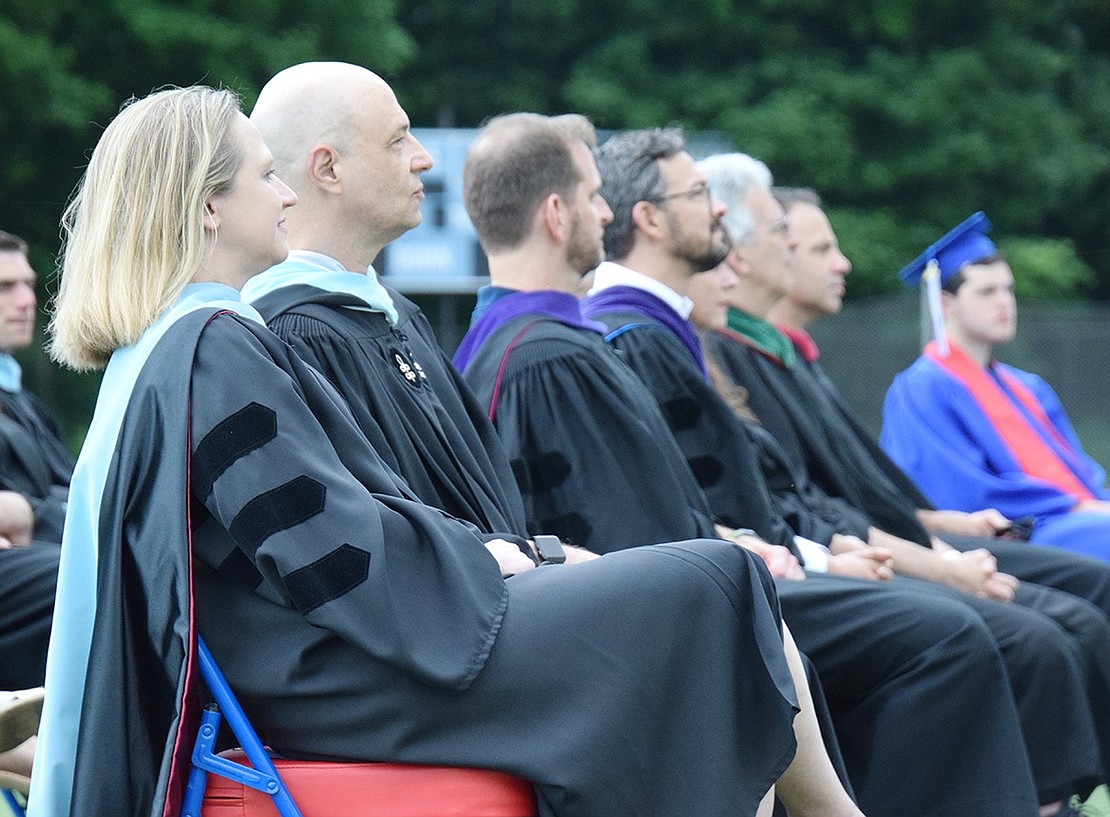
[495, 398]
[1028, 448]
[806, 345]
[181, 762]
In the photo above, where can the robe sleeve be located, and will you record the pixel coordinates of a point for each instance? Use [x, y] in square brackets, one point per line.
[808, 510]
[50, 514]
[318, 523]
[944, 442]
[592, 465]
[717, 448]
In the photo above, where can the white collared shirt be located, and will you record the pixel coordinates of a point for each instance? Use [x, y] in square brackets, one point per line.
[815, 554]
[610, 274]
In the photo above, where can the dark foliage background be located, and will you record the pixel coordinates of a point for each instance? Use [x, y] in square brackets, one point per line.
[905, 116]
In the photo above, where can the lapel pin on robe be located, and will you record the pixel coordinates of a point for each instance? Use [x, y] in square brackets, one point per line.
[965, 243]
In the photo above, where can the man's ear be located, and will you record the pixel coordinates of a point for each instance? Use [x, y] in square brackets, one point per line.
[556, 217]
[322, 168]
[738, 262]
[947, 300]
[648, 219]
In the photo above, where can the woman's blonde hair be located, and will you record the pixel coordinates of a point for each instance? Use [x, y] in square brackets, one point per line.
[133, 234]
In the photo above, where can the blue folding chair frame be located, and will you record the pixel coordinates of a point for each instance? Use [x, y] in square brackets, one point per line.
[262, 777]
[12, 804]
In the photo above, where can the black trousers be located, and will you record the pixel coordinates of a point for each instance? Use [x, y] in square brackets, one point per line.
[919, 694]
[1082, 579]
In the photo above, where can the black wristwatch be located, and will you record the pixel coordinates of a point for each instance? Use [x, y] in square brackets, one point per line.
[550, 549]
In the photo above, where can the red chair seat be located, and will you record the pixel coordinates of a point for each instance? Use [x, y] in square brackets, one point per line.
[336, 789]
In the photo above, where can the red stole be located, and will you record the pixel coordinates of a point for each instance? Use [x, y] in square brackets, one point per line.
[1035, 457]
[803, 342]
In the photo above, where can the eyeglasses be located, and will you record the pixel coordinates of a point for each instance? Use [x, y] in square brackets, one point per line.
[780, 226]
[694, 193]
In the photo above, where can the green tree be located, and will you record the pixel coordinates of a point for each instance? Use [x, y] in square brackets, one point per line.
[67, 66]
[905, 116]
[911, 116]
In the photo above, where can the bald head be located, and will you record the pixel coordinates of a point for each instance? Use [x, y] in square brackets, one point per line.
[313, 103]
[341, 140]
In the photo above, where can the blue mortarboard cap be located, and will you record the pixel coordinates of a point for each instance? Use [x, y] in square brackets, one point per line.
[964, 244]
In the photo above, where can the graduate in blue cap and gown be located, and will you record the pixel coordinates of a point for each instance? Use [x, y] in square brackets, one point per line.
[976, 433]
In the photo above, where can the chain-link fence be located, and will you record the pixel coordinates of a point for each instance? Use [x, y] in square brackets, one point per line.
[1068, 344]
[863, 348]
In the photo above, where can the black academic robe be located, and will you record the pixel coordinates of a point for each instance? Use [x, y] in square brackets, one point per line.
[801, 407]
[1039, 656]
[34, 461]
[585, 438]
[356, 622]
[406, 397]
[28, 577]
[726, 465]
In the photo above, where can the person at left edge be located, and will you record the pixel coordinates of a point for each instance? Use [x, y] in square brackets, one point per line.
[33, 459]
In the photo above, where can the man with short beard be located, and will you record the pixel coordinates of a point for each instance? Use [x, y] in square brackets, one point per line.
[541, 372]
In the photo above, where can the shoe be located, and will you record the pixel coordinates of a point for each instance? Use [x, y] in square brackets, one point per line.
[19, 716]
